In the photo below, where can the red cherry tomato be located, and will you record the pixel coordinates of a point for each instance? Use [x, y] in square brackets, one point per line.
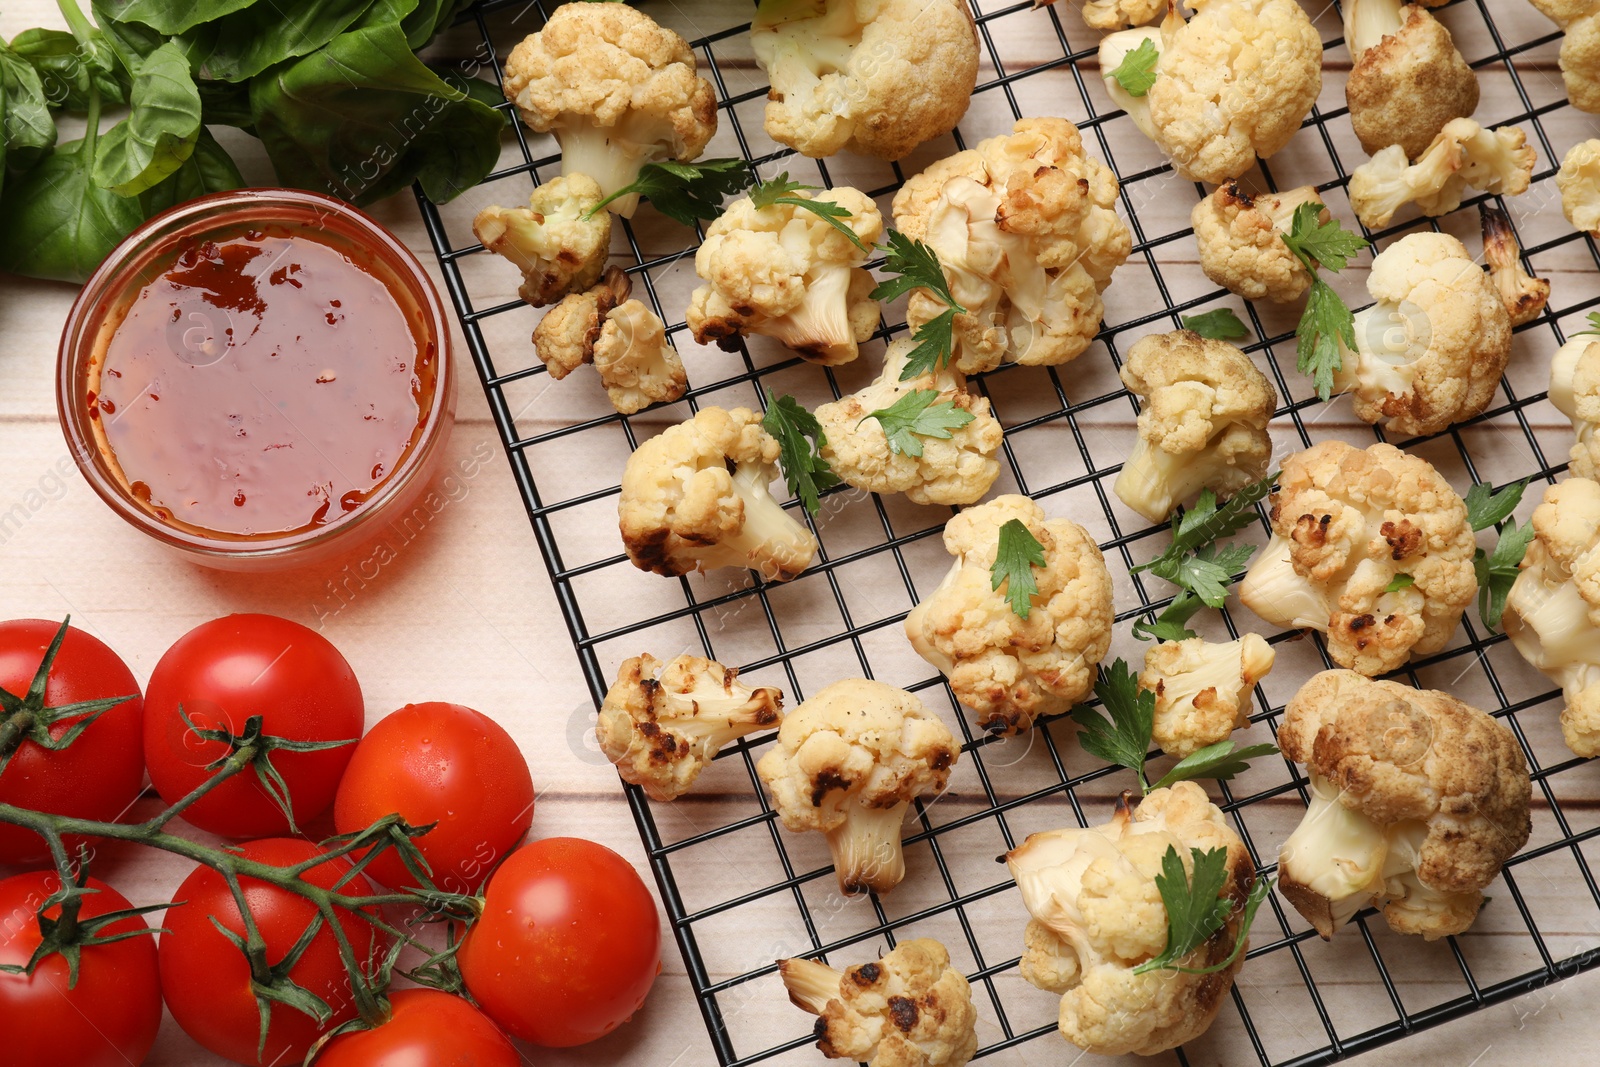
[568, 944]
[109, 1018]
[443, 764]
[206, 979]
[100, 774]
[426, 1028]
[223, 672]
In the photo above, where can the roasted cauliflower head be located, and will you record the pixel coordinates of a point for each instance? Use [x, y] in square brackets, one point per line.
[1346, 522]
[663, 723]
[1240, 237]
[1408, 79]
[876, 77]
[1432, 348]
[695, 498]
[1202, 689]
[782, 271]
[1233, 84]
[617, 91]
[1553, 610]
[623, 338]
[1416, 801]
[951, 466]
[1579, 182]
[1575, 391]
[1202, 424]
[909, 1008]
[558, 248]
[848, 763]
[1580, 48]
[1096, 914]
[1008, 669]
[1024, 228]
[1463, 156]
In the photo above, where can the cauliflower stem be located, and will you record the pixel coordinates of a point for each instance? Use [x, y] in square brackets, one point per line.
[866, 848]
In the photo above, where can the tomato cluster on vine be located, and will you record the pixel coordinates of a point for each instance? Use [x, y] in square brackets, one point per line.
[279, 948]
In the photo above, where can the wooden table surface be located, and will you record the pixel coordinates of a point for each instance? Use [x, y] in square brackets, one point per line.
[466, 612]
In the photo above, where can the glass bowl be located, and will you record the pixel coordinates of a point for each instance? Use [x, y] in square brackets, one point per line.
[149, 252]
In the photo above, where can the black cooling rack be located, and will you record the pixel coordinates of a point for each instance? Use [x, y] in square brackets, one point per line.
[1294, 1003]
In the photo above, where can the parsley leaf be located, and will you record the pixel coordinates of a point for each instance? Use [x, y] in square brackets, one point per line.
[1207, 573]
[1137, 71]
[685, 192]
[1327, 318]
[766, 194]
[1317, 242]
[1202, 524]
[800, 440]
[1122, 734]
[1594, 325]
[1399, 582]
[916, 415]
[1326, 321]
[1220, 761]
[1219, 325]
[1497, 571]
[1486, 508]
[1172, 623]
[916, 266]
[1197, 908]
[1014, 559]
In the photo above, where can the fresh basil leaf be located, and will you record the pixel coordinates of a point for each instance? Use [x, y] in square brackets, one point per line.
[56, 223]
[363, 118]
[240, 45]
[66, 69]
[25, 121]
[155, 139]
[209, 169]
[171, 17]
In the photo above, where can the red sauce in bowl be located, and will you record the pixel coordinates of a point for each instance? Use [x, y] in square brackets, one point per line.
[261, 385]
[259, 379]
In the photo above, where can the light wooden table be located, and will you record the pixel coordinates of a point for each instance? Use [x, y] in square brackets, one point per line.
[466, 614]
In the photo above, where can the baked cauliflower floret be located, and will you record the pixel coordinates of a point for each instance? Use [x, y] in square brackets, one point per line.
[1008, 669]
[1202, 689]
[1025, 229]
[783, 272]
[1203, 423]
[957, 468]
[1523, 295]
[1580, 49]
[1345, 523]
[1416, 801]
[556, 248]
[662, 723]
[695, 498]
[624, 339]
[1553, 611]
[1431, 350]
[1408, 78]
[1241, 243]
[1233, 84]
[1575, 391]
[878, 77]
[1579, 182]
[909, 1008]
[849, 762]
[1096, 914]
[617, 90]
[1463, 156]
[1117, 14]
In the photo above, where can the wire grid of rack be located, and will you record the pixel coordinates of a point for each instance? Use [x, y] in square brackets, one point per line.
[1303, 986]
